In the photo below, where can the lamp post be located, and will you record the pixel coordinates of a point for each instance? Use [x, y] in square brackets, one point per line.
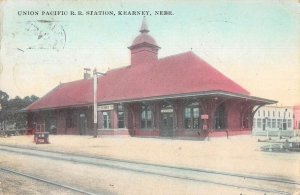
[95, 88]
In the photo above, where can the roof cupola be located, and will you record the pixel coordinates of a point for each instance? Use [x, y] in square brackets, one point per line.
[144, 48]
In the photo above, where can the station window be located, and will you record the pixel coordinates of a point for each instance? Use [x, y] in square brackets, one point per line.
[268, 122]
[273, 113]
[106, 119]
[146, 117]
[259, 123]
[254, 123]
[259, 113]
[284, 124]
[268, 113]
[279, 113]
[273, 123]
[264, 113]
[289, 124]
[70, 119]
[192, 116]
[279, 123]
[121, 116]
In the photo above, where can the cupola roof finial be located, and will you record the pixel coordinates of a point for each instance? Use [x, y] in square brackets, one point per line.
[144, 27]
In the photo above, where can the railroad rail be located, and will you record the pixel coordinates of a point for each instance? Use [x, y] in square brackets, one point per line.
[46, 181]
[243, 181]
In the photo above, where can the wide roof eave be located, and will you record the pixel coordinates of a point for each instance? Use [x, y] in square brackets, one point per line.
[199, 94]
[262, 101]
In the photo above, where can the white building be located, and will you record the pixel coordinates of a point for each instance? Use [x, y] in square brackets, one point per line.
[273, 118]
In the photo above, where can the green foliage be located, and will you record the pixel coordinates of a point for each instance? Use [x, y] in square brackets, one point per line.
[11, 110]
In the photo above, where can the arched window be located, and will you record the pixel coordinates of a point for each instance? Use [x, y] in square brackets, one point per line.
[146, 117]
[121, 116]
[220, 117]
[192, 114]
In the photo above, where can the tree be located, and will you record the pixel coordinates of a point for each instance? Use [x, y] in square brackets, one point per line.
[14, 115]
[3, 108]
[11, 112]
[3, 96]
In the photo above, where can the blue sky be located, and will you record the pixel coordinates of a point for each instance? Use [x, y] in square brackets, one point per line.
[255, 43]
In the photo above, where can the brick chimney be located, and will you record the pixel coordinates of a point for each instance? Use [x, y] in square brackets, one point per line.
[87, 73]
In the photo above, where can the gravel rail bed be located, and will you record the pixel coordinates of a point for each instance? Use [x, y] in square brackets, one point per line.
[249, 182]
[12, 182]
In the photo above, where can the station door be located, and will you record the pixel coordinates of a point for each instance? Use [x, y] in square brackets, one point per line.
[167, 121]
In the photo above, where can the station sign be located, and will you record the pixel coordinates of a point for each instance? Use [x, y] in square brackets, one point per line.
[105, 107]
[169, 110]
[204, 116]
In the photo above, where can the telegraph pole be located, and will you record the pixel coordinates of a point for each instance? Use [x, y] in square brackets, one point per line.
[95, 102]
[95, 89]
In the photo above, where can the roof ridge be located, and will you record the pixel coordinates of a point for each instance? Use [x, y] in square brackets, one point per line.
[118, 68]
[75, 81]
[197, 58]
[220, 72]
[175, 55]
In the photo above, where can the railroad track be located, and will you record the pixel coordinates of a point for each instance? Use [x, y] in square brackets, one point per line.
[73, 189]
[249, 182]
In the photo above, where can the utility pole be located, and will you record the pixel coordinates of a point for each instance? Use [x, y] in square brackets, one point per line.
[95, 89]
[95, 102]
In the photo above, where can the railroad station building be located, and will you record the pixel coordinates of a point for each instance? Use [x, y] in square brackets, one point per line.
[175, 96]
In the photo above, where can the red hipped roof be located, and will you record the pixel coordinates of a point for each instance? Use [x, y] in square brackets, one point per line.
[179, 74]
